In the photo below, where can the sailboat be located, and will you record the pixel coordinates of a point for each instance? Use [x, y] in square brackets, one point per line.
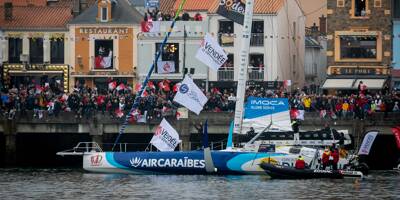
[235, 161]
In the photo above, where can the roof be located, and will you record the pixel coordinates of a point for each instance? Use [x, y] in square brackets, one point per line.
[36, 18]
[311, 42]
[122, 13]
[166, 6]
[25, 2]
[260, 6]
[194, 5]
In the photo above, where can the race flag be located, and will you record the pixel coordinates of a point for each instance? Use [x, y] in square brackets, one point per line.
[396, 133]
[165, 138]
[210, 53]
[165, 67]
[233, 11]
[112, 85]
[150, 26]
[190, 96]
[367, 143]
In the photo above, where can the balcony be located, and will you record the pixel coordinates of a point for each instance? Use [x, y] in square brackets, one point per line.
[257, 39]
[192, 28]
[255, 74]
[226, 74]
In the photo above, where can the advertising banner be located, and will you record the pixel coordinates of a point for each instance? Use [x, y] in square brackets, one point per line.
[210, 53]
[190, 96]
[165, 138]
[367, 142]
[233, 10]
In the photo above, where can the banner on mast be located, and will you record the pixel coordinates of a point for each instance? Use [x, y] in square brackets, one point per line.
[165, 138]
[233, 10]
[190, 96]
[210, 53]
[367, 143]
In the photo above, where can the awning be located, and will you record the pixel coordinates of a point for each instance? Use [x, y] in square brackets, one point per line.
[338, 84]
[374, 84]
[352, 84]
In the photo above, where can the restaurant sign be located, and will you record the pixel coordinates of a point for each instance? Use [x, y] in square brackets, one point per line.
[358, 71]
[109, 30]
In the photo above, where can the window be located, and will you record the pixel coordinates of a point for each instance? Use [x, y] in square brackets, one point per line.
[104, 12]
[340, 3]
[360, 8]
[257, 33]
[14, 50]
[169, 59]
[225, 33]
[104, 57]
[396, 9]
[377, 3]
[57, 51]
[36, 50]
[226, 72]
[256, 68]
[358, 47]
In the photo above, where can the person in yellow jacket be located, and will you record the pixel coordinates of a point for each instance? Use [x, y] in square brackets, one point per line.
[307, 103]
[345, 108]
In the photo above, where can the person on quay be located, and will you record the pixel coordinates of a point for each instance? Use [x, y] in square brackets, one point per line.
[325, 158]
[300, 164]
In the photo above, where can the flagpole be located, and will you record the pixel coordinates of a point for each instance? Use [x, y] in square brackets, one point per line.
[144, 85]
[242, 71]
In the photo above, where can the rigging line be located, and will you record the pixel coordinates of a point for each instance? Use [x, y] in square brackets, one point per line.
[314, 11]
[144, 85]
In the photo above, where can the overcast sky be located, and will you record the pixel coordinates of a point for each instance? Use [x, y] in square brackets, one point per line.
[313, 10]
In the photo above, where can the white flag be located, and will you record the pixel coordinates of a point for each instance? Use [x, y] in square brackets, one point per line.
[190, 96]
[165, 138]
[367, 143]
[165, 67]
[210, 53]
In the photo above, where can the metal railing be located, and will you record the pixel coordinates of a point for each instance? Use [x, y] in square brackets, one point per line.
[226, 74]
[131, 147]
[255, 73]
[257, 39]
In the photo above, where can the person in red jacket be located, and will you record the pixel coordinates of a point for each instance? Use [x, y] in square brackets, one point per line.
[300, 164]
[325, 158]
[335, 155]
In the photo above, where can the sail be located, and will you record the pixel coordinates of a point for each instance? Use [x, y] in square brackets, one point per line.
[260, 112]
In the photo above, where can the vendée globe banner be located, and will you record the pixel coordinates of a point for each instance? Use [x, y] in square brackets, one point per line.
[366, 145]
[233, 10]
[260, 112]
[210, 53]
[165, 138]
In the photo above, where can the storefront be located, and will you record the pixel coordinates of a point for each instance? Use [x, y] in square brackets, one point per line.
[104, 45]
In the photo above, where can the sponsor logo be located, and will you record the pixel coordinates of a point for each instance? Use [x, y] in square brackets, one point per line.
[234, 5]
[96, 160]
[268, 102]
[217, 57]
[161, 162]
[167, 67]
[184, 88]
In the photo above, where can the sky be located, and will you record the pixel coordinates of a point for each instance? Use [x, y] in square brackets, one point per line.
[313, 9]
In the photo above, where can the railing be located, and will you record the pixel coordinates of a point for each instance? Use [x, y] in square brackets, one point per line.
[226, 39]
[226, 74]
[255, 73]
[257, 39]
[125, 147]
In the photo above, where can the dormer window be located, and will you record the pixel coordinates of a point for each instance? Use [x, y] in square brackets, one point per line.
[104, 13]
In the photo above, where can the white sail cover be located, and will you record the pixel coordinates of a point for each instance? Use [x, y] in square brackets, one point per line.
[259, 112]
[165, 138]
[190, 96]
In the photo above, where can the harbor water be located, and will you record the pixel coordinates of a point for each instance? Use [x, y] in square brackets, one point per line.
[77, 184]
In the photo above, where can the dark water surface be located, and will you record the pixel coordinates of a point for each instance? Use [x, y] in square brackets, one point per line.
[76, 184]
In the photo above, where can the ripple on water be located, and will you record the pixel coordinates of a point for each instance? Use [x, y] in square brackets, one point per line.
[76, 184]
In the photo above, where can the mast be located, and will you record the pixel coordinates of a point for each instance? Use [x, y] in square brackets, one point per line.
[242, 76]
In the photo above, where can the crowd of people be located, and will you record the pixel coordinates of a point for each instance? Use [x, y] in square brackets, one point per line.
[157, 101]
[157, 15]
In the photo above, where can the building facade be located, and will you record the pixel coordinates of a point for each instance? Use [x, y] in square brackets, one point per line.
[276, 45]
[103, 44]
[359, 44]
[33, 43]
[315, 61]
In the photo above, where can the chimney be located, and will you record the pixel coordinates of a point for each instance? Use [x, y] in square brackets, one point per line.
[8, 11]
[83, 4]
[76, 9]
[322, 25]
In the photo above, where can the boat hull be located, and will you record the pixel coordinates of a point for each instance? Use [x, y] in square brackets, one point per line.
[191, 162]
[281, 172]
